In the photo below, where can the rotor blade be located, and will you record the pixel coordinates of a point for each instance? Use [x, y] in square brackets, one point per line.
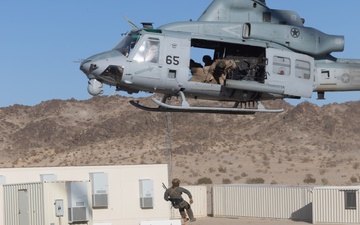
[131, 23]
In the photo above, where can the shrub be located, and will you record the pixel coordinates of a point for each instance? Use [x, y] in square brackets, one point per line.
[353, 179]
[222, 169]
[243, 174]
[211, 170]
[204, 180]
[356, 166]
[226, 181]
[324, 181]
[237, 178]
[255, 180]
[309, 179]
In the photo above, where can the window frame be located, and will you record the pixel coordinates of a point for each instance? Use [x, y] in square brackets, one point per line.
[350, 199]
[281, 65]
[302, 69]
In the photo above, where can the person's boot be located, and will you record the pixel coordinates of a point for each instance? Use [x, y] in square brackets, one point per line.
[183, 215]
[191, 215]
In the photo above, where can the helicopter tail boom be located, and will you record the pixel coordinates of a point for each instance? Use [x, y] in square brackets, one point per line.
[339, 75]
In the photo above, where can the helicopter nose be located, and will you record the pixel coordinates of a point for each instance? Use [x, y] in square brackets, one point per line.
[104, 67]
[87, 66]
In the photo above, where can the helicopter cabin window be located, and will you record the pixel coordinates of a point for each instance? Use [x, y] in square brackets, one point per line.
[127, 44]
[302, 69]
[148, 51]
[282, 65]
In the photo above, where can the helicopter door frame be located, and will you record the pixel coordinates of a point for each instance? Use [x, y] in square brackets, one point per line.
[293, 71]
[176, 58]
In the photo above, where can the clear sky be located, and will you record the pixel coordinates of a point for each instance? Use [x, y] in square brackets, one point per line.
[41, 40]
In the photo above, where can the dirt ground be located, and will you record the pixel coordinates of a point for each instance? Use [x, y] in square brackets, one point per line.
[246, 220]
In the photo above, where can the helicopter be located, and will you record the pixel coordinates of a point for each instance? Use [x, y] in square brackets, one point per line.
[258, 54]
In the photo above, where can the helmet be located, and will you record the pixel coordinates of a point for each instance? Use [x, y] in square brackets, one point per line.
[175, 182]
[221, 65]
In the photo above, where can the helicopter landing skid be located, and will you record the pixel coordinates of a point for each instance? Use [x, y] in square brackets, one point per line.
[221, 110]
[163, 107]
[185, 107]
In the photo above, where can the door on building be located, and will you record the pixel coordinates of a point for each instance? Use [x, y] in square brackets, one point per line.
[23, 207]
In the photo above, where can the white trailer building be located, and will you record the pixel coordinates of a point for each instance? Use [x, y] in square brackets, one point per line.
[126, 194]
[336, 205]
[43, 203]
[263, 201]
[119, 194]
[303, 203]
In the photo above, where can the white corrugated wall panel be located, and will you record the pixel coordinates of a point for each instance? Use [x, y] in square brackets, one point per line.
[199, 206]
[267, 201]
[11, 201]
[329, 206]
[2, 206]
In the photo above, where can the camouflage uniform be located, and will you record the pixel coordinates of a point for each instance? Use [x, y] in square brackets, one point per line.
[220, 70]
[197, 71]
[174, 193]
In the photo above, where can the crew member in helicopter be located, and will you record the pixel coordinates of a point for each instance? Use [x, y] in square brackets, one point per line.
[220, 70]
[152, 52]
[207, 63]
[197, 72]
[174, 193]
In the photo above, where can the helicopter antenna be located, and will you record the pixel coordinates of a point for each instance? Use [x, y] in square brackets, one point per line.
[131, 23]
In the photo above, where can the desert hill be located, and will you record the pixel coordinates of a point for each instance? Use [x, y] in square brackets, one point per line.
[303, 145]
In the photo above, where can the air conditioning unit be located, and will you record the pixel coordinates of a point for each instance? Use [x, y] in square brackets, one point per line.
[77, 193]
[99, 185]
[146, 193]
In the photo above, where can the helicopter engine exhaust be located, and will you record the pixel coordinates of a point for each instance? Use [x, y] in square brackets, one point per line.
[95, 87]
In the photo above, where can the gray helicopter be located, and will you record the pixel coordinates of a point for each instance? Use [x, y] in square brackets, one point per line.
[257, 54]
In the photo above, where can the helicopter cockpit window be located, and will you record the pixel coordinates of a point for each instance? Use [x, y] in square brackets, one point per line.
[282, 65]
[128, 43]
[148, 51]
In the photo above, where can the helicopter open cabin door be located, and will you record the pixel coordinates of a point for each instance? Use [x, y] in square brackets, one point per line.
[293, 71]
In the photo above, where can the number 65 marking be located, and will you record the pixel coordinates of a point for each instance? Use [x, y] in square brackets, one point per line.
[172, 60]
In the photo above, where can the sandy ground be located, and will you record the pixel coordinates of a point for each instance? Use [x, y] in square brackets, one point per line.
[243, 220]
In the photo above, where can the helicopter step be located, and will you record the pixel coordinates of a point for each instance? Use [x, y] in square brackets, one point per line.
[185, 107]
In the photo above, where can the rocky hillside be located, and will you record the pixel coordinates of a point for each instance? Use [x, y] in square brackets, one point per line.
[305, 144]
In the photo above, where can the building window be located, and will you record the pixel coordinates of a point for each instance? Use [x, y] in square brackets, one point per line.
[350, 199]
